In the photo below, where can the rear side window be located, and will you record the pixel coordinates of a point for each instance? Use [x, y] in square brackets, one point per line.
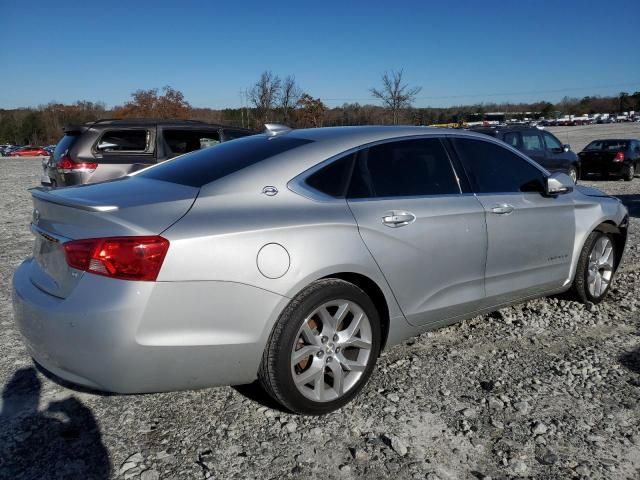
[403, 168]
[185, 141]
[513, 139]
[494, 169]
[332, 180]
[135, 140]
[204, 166]
[531, 141]
[64, 145]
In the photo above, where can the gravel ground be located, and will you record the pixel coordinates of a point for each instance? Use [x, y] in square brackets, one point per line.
[547, 389]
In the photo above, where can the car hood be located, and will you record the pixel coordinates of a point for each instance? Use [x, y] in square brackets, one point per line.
[591, 192]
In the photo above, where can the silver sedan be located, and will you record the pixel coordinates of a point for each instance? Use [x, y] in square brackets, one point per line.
[294, 257]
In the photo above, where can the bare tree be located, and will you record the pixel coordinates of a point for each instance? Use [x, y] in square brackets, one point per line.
[289, 96]
[265, 94]
[394, 94]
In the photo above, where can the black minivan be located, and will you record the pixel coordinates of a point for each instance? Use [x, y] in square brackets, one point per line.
[539, 145]
[108, 149]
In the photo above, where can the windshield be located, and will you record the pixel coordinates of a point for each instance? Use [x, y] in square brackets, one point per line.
[607, 145]
[204, 166]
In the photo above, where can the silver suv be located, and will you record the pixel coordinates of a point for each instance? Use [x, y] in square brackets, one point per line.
[108, 149]
[295, 257]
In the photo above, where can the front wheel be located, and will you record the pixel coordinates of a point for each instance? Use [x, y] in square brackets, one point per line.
[573, 173]
[596, 266]
[323, 348]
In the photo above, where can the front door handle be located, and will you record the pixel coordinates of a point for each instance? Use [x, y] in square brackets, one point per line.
[502, 209]
[396, 219]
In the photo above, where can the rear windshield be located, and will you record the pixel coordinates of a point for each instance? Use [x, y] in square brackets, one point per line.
[608, 145]
[64, 145]
[204, 166]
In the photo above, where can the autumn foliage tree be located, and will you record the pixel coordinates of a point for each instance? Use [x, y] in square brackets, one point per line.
[310, 111]
[149, 104]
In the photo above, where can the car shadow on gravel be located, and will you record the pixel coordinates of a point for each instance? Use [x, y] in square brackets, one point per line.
[632, 202]
[61, 441]
[253, 391]
[631, 360]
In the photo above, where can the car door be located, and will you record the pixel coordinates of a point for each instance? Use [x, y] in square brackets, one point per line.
[558, 159]
[530, 236]
[534, 148]
[428, 238]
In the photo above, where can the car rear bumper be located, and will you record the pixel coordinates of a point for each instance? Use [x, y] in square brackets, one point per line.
[608, 168]
[134, 337]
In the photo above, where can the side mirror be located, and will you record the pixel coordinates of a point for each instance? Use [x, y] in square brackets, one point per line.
[558, 183]
[566, 147]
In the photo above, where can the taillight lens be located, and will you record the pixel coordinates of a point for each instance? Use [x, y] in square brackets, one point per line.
[125, 258]
[619, 157]
[66, 165]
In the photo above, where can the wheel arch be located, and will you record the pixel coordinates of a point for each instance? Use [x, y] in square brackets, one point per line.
[373, 290]
[618, 234]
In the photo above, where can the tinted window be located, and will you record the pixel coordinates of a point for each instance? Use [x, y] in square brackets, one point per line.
[513, 139]
[64, 145]
[124, 141]
[531, 141]
[332, 180]
[185, 141]
[552, 142]
[203, 166]
[404, 168]
[607, 145]
[494, 169]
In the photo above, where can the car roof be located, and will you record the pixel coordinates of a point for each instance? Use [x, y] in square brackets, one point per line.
[137, 122]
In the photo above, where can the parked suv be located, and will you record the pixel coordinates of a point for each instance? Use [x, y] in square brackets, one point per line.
[108, 149]
[539, 145]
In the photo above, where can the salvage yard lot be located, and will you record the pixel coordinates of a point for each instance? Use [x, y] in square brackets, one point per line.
[547, 389]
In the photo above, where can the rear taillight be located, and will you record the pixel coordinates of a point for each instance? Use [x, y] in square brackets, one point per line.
[66, 165]
[126, 258]
[619, 157]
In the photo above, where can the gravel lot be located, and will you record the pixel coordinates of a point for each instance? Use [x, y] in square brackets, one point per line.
[547, 389]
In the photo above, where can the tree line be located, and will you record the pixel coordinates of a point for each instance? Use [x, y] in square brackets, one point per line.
[275, 99]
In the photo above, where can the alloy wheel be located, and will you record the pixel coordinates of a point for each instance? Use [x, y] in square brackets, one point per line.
[600, 268]
[331, 350]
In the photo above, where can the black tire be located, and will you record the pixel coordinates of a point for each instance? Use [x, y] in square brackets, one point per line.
[580, 286]
[629, 173]
[275, 375]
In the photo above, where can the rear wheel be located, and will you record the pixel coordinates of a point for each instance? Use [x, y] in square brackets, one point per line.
[629, 173]
[595, 269]
[573, 173]
[322, 349]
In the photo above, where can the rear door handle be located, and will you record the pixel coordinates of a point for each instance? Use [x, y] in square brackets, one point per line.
[502, 209]
[396, 219]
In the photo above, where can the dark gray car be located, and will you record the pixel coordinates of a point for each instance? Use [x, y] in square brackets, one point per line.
[108, 149]
[539, 145]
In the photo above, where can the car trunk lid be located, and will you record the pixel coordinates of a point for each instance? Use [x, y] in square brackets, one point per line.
[124, 207]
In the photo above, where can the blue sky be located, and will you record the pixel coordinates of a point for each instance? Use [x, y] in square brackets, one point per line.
[458, 51]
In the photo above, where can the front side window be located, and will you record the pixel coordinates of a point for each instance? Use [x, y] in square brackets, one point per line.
[494, 169]
[403, 169]
[552, 142]
[136, 140]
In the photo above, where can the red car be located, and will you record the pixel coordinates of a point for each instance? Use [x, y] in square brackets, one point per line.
[29, 152]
